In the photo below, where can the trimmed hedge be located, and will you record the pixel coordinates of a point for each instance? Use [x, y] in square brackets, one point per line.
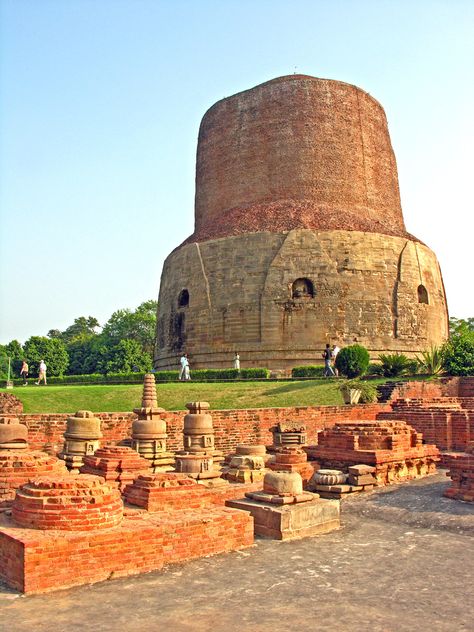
[311, 370]
[198, 375]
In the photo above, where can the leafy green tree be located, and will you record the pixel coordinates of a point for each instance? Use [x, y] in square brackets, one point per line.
[81, 328]
[51, 350]
[458, 326]
[127, 357]
[139, 326]
[459, 353]
[87, 355]
[15, 351]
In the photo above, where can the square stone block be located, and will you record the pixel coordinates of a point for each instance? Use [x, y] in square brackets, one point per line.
[289, 522]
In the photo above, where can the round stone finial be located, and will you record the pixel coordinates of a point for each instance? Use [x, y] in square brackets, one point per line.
[13, 434]
[282, 483]
[84, 425]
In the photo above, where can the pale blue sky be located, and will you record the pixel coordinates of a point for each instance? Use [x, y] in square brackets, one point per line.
[100, 106]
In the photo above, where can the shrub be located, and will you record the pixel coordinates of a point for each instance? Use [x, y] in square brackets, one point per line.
[352, 361]
[374, 369]
[432, 360]
[311, 370]
[459, 354]
[394, 364]
[255, 373]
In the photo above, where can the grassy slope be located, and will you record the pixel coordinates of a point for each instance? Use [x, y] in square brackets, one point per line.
[174, 396]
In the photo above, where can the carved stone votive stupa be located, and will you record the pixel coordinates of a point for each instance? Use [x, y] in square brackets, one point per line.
[287, 434]
[149, 430]
[199, 457]
[247, 464]
[80, 439]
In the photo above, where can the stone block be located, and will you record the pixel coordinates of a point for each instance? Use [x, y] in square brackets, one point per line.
[289, 522]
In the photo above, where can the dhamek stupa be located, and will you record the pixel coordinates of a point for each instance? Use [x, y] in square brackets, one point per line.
[299, 236]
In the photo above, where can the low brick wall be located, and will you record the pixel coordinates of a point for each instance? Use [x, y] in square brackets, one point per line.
[231, 427]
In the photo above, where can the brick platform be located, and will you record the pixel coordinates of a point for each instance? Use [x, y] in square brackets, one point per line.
[461, 471]
[392, 447]
[34, 561]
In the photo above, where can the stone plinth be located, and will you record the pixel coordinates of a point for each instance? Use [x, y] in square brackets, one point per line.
[293, 459]
[198, 431]
[287, 434]
[70, 503]
[283, 511]
[167, 492]
[337, 484]
[246, 469]
[13, 434]
[461, 472]
[393, 448]
[118, 465]
[149, 430]
[80, 439]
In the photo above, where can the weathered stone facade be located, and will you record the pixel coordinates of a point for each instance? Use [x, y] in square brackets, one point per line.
[299, 237]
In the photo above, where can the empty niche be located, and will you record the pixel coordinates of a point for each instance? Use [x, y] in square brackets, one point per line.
[302, 288]
[422, 295]
[183, 298]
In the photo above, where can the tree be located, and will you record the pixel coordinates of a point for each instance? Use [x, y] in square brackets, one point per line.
[139, 325]
[82, 327]
[51, 350]
[459, 325]
[87, 355]
[14, 350]
[127, 357]
[459, 353]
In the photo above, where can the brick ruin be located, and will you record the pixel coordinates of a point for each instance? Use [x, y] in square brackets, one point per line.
[461, 472]
[393, 448]
[118, 517]
[299, 236]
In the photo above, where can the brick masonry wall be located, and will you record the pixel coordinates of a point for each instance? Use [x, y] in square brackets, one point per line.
[231, 427]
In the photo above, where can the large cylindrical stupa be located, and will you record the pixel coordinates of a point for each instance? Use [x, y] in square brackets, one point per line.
[299, 236]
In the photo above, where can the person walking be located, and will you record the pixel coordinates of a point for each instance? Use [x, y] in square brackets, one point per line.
[184, 373]
[327, 355]
[42, 373]
[335, 351]
[24, 373]
[236, 361]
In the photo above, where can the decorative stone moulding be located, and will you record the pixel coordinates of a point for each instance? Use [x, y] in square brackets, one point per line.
[149, 430]
[80, 439]
[329, 477]
[118, 465]
[247, 465]
[13, 434]
[69, 503]
[200, 466]
[288, 433]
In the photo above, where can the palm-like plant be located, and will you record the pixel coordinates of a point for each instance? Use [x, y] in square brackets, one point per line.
[432, 360]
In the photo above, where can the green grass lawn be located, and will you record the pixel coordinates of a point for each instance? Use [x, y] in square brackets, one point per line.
[173, 396]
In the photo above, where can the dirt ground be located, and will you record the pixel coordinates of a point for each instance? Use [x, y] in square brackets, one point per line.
[402, 561]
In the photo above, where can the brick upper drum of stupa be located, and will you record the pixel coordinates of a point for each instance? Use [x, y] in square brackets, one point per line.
[70, 503]
[394, 448]
[17, 463]
[118, 465]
